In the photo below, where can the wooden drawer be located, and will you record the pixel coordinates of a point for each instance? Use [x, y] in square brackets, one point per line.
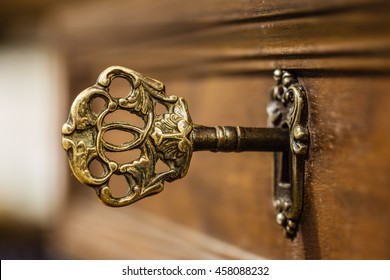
[220, 57]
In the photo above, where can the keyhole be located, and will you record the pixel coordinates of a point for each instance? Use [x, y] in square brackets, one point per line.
[285, 174]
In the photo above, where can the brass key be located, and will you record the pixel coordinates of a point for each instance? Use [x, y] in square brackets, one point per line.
[172, 137]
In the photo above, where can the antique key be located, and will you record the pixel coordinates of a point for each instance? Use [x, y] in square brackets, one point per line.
[172, 138]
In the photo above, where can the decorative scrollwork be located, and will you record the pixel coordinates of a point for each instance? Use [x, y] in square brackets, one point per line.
[288, 108]
[164, 137]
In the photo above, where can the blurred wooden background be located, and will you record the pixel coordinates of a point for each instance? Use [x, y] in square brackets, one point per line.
[220, 56]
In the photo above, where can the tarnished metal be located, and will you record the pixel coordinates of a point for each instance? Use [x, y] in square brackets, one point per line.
[164, 137]
[171, 137]
[288, 109]
[239, 139]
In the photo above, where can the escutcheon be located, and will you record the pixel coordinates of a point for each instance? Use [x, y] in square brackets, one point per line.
[288, 109]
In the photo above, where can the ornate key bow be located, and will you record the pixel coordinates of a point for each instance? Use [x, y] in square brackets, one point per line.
[164, 137]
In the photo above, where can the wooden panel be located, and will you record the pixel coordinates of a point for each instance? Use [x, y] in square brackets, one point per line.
[227, 196]
[235, 38]
[220, 58]
[347, 196]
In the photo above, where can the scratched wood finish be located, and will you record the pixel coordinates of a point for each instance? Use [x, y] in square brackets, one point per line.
[220, 58]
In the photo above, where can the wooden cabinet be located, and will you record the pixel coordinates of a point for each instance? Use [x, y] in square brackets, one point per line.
[220, 56]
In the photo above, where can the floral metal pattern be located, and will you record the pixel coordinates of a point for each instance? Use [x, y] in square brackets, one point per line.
[164, 137]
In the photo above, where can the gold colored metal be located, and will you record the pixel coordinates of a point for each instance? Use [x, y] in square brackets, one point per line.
[164, 137]
[171, 137]
[288, 108]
